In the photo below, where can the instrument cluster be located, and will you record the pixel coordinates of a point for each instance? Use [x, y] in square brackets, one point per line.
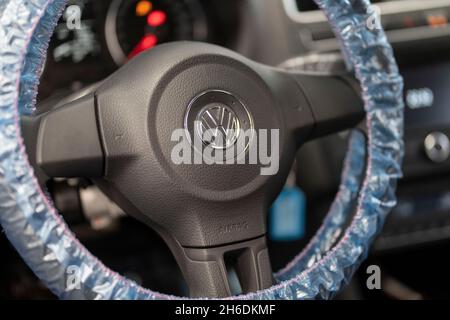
[94, 38]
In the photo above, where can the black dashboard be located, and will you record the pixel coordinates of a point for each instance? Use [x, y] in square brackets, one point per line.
[95, 38]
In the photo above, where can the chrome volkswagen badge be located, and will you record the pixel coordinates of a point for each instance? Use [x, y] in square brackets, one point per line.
[218, 120]
[218, 126]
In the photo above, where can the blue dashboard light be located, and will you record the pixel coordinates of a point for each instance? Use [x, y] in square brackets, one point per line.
[287, 216]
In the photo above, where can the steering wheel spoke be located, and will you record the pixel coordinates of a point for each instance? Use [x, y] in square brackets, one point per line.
[319, 105]
[335, 102]
[314, 105]
[64, 142]
[209, 271]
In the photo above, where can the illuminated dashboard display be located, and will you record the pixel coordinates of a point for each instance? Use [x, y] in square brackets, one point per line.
[427, 95]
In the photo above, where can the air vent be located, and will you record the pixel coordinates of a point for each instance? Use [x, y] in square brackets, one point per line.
[404, 21]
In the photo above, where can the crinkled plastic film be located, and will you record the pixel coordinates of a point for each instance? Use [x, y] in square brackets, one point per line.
[47, 245]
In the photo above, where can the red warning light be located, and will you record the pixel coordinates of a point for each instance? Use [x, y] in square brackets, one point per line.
[156, 18]
[147, 42]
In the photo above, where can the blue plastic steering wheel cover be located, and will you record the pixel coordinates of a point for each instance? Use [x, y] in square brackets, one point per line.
[40, 235]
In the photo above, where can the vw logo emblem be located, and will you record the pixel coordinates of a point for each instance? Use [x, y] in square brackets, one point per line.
[218, 126]
[218, 120]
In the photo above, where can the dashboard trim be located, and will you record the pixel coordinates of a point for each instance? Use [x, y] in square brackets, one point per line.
[310, 21]
[387, 8]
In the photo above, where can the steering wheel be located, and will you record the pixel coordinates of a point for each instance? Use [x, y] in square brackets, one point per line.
[122, 136]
